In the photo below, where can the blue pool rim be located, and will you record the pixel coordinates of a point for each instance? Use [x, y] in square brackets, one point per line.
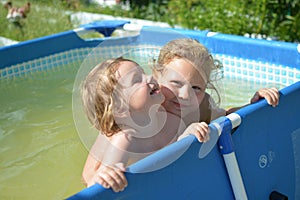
[279, 53]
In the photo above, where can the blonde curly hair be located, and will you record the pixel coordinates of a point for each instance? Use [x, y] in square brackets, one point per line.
[195, 53]
[102, 98]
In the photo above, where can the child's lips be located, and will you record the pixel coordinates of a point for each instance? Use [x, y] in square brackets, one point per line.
[178, 105]
[154, 89]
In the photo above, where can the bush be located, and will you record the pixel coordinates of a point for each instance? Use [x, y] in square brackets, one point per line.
[273, 18]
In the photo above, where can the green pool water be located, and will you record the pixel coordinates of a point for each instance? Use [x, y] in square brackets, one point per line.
[41, 155]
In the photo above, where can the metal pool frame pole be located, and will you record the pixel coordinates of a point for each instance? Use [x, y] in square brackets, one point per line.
[227, 149]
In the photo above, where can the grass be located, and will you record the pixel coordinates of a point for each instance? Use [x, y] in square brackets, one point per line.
[47, 17]
[43, 19]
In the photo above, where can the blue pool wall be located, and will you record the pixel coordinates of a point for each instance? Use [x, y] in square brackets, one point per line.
[281, 59]
[267, 151]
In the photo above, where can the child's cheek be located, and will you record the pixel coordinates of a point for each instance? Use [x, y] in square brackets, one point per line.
[167, 92]
[200, 97]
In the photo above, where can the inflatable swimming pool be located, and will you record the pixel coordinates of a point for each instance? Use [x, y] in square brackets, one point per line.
[257, 157]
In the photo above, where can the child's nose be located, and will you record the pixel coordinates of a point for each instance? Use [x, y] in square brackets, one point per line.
[150, 79]
[184, 93]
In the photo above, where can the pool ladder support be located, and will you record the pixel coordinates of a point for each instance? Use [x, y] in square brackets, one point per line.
[226, 147]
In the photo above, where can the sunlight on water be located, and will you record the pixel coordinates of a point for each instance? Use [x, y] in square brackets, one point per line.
[41, 154]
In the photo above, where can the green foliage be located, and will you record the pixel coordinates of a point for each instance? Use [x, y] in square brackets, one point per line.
[278, 19]
[274, 18]
[286, 19]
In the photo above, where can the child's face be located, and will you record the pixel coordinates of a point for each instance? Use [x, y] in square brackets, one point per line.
[183, 87]
[140, 90]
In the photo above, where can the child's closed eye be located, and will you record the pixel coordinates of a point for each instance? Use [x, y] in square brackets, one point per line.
[197, 88]
[137, 79]
[176, 83]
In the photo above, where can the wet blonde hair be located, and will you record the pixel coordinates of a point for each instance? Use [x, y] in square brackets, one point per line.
[101, 97]
[192, 51]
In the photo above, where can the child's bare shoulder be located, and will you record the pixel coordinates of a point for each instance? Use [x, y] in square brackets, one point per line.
[122, 140]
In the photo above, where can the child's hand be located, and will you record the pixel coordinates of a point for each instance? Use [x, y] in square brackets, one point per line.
[270, 94]
[111, 177]
[200, 130]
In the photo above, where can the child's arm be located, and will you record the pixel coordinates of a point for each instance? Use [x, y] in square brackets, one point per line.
[90, 168]
[93, 161]
[108, 173]
[199, 129]
[110, 177]
[270, 94]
